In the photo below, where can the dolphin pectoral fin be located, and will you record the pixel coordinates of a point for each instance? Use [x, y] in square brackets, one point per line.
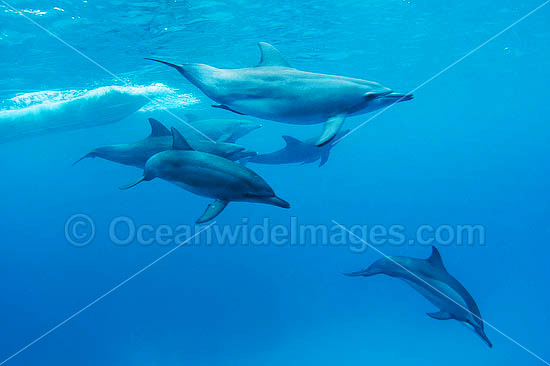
[223, 106]
[270, 56]
[324, 158]
[440, 315]
[158, 129]
[213, 210]
[332, 126]
[134, 183]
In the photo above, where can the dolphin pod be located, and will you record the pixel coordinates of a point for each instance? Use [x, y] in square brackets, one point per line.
[274, 90]
[137, 153]
[208, 175]
[430, 278]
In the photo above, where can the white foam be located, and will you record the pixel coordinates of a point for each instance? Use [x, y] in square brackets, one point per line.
[47, 111]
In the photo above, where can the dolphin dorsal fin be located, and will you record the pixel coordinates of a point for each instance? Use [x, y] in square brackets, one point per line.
[435, 258]
[158, 129]
[179, 142]
[292, 141]
[271, 56]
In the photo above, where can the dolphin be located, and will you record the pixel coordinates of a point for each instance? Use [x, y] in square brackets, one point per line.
[208, 175]
[137, 153]
[275, 91]
[297, 151]
[225, 130]
[430, 278]
[70, 110]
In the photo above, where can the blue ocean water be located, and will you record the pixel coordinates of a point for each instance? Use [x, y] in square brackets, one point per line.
[470, 149]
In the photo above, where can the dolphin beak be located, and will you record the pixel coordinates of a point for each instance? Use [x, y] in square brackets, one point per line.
[399, 97]
[277, 201]
[365, 273]
[483, 336]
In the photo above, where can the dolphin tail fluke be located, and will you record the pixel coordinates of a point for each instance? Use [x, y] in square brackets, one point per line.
[88, 155]
[177, 67]
[134, 183]
[213, 210]
[332, 126]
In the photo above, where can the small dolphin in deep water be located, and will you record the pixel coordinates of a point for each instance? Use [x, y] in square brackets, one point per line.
[430, 278]
[137, 153]
[297, 151]
[225, 130]
[273, 90]
[208, 175]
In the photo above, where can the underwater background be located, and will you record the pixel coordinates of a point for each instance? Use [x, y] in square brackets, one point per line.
[471, 148]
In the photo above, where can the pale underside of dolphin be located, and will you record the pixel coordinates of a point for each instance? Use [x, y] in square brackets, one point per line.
[97, 107]
[430, 278]
[273, 90]
[297, 151]
[208, 175]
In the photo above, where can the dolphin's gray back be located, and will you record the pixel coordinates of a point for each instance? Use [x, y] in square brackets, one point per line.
[209, 175]
[133, 154]
[423, 271]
